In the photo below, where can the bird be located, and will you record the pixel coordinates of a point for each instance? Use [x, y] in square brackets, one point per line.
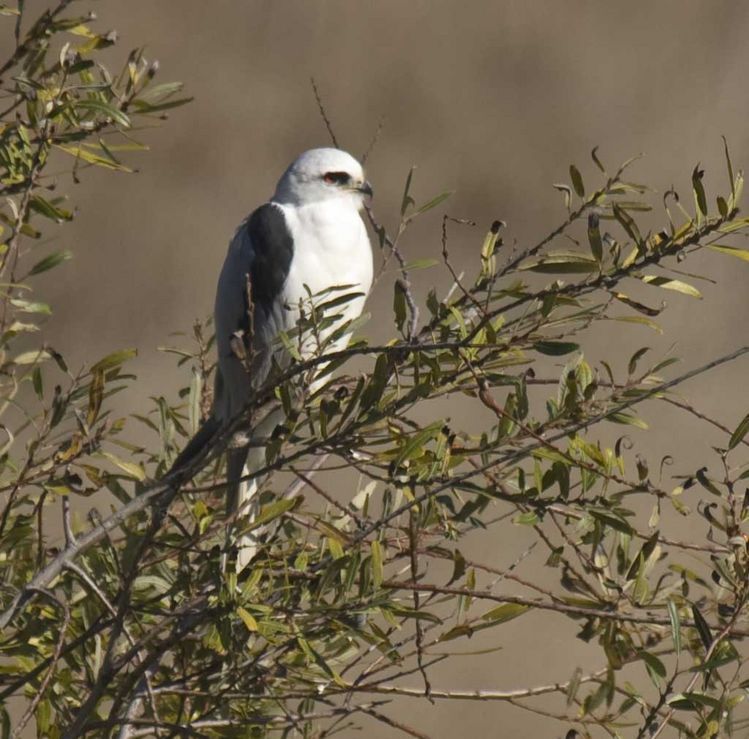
[307, 239]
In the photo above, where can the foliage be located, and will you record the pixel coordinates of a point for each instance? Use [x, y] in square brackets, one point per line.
[130, 626]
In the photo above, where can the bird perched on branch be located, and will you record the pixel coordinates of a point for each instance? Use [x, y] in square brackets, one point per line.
[307, 239]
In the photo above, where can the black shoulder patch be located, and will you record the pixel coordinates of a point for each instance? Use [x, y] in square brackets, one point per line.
[273, 249]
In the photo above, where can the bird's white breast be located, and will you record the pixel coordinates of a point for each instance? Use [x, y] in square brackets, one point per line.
[331, 248]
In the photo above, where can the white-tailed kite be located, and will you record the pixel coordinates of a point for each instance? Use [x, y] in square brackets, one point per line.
[308, 238]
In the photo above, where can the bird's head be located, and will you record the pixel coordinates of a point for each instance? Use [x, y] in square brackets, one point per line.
[323, 175]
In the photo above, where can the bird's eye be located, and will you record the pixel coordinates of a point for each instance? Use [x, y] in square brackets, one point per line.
[337, 178]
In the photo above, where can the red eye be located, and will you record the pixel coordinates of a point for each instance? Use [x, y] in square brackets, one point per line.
[336, 178]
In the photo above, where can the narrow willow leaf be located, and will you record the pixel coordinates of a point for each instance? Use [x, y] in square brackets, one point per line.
[104, 109]
[640, 307]
[274, 510]
[699, 189]
[692, 701]
[377, 564]
[594, 237]
[673, 614]
[336, 550]
[50, 261]
[27, 306]
[49, 210]
[729, 167]
[115, 359]
[733, 251]
[706, 482]
[505, 612]
[88, 156]
[702, 628]
[247, 618]
[563, 263]
[417, 441]
[555, 348]
[739, 433]
[577, 181]
[628, 224]
[433, 203]
[421, 264]
[573, 685]
[131, 469]
[407, 200]
[143, 107]
[399, 304]
[33, 357]
[641, 320]
[629, 420]
[656, 668]
[668, 284]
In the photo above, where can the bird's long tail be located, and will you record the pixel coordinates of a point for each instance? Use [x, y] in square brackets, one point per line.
[241, 501]
[242, 493]
[208, 429]
[242, 461]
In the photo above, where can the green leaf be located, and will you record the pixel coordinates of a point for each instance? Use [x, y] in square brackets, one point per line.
[563, 263]
[131, 469]
[114, 360]
[143, 107]
[577, 181]
[692, 701]
[407, 200]
[399, 304]
[32, 357]
[702, 628]
[739, 432]
[555, 348]
[611, 519]
[656, 668]
[27, 306]
[49, 210]
[594, 237]
[730, 250]
[673, 614]
[529, 518]
[161, 91]
[420, 264]
[505, 612]
[50, 261]
[247, 618]
[699, 189]
[433, 203]
[642, 308]
[628, 224]
[104, 109]
[629, 419]
[632, 366]
[377, 563]
[417, 441]
[86, 155]
[274, 510]
[706, 482]
[152, 582]
[667, 284]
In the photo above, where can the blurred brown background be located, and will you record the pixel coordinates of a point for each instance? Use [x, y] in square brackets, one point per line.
[491, 99]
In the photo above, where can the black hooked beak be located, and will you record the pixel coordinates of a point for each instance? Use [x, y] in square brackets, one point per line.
[365, 189]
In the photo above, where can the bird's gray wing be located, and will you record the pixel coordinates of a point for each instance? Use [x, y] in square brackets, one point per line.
[246, 319]
[248, 306]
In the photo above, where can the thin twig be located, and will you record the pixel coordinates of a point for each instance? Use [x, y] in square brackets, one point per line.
[45, 682]
[323, 113]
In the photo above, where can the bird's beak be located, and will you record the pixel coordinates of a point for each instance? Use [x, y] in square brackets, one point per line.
[365, 189]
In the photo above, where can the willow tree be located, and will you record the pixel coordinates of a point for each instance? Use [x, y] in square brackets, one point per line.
[128, 625]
